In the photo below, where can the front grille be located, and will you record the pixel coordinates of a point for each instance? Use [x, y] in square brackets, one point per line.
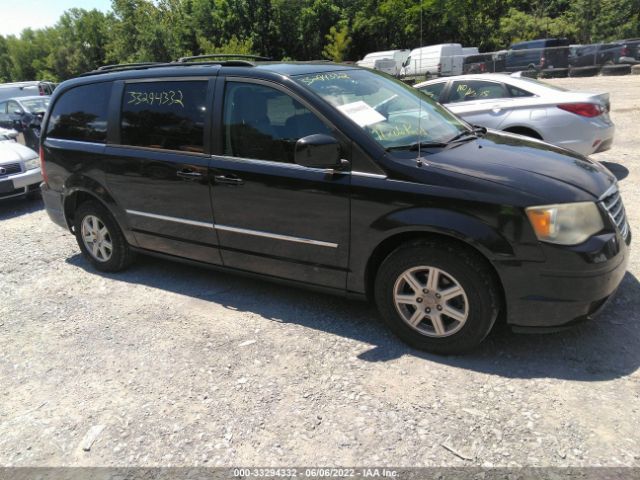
[9, 169]
[612, 202]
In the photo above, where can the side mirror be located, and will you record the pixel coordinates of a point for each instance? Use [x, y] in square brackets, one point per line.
[18, 112]
[318, 151]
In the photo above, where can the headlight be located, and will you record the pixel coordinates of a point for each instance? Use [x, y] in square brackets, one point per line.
[32, 163]
[565, 224]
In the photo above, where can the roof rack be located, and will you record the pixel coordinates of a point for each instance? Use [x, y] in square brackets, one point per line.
[122, 65]
[147, 65]
[222, 55]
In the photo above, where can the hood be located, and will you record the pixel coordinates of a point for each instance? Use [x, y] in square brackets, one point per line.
[11, 152]
[553, 174]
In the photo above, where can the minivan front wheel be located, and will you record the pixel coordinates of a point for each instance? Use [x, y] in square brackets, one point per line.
[100, 238]
[437, 297]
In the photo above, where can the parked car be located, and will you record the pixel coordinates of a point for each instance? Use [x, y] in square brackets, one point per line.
[631, 52]
[19, 169]
[602, 54]
[538, 55]
[484, 63]
[388, 61]
[574, 120]
[8, 134]
[25, 89]
[24, 114]
[335, 178]
[441, 60]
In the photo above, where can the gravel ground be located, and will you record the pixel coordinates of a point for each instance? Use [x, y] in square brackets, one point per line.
[168, 364]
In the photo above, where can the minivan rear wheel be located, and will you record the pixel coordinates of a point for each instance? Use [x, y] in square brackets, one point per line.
[436, 297]
[100, 238]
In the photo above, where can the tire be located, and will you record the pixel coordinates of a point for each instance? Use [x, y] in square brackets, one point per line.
[554, 73]
[479, 300]
[609, 70]
[524, 132]
[115, 258]
[584, 71]
[530, 73]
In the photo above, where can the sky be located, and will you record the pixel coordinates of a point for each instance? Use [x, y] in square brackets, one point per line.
[19, 14]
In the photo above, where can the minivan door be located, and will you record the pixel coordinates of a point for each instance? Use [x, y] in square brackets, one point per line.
[159, 169]
[273, 216]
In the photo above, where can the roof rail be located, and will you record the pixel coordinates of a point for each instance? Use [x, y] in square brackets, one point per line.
[122, 65]
[222, 55]
[148, 65]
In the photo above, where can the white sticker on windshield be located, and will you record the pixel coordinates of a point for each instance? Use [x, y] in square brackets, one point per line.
[361, 113]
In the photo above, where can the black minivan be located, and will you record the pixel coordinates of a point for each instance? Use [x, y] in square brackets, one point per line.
[337, 178]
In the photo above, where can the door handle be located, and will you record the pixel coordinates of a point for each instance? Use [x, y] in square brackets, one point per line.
[189, 174]
[228, 180]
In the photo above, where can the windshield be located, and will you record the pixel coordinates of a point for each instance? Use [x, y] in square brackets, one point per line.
[35, 105]
[393, 113]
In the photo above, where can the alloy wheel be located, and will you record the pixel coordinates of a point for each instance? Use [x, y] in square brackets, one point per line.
[96, 238]
[431, 301]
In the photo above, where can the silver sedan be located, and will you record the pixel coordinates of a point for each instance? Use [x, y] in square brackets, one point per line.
[577, 121]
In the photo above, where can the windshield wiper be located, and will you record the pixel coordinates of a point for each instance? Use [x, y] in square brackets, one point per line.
[475, 132]
[416, 145]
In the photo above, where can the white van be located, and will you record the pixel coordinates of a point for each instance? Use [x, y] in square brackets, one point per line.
[442, 60]
[398, 57]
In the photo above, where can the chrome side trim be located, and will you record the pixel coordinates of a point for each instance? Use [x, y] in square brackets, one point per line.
[269, 163]
[227, 228]
[171, 219]
[80, 143]
[276, 236]
[366, 174]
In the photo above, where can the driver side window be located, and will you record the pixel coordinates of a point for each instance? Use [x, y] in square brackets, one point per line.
[264, 123]
[13, 107]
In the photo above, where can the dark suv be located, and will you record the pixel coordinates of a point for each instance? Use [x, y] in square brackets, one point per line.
[337, 178]
[538, 55]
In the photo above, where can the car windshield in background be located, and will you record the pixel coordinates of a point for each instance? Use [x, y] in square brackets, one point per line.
[394, 114]
[35, 105]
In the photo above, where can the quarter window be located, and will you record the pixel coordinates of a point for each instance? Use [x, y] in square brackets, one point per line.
[434, 90]
[167, 115]
[462, 91]
[518, 92]
[81, 114]
[263, 123]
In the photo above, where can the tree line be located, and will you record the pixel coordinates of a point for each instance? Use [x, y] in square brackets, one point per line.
[164, 30]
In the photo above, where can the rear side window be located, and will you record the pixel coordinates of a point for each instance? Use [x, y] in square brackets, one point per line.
[81, 114]
[518, 92]
[434, 90]
[168, 115]
[462, 91]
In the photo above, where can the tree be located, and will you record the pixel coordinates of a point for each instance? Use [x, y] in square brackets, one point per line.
[338, 45]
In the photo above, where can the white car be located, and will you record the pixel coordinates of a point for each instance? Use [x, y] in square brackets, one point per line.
[577, 121]
[19, 169]
[8, 134]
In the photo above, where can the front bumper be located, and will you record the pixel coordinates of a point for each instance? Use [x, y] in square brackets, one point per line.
[19, 183]
[572, 285]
